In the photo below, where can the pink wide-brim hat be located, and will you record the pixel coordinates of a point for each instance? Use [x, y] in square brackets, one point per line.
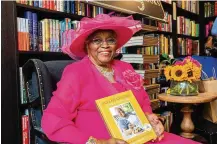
[74, 40]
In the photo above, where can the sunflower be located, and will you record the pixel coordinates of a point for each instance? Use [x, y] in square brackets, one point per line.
[193, 71]
[178, 73]
[167, 72]
[196, 72]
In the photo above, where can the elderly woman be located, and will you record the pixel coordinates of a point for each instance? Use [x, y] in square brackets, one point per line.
[72, 116]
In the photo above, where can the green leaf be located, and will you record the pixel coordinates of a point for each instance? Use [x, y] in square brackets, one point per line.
[166, 56]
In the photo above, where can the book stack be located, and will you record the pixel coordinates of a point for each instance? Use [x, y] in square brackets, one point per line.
[140, 58]
[146, 40]
[145, 62]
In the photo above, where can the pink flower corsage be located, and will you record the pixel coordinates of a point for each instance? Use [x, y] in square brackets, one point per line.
[133, 79]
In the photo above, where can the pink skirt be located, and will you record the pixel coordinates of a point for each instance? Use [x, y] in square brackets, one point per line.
[170, 138]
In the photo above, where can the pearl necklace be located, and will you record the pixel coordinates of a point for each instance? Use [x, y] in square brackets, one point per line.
[105, 71]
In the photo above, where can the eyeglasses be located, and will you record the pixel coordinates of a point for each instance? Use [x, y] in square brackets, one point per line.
[99, 41]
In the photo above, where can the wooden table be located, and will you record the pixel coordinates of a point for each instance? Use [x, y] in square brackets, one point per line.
[187, 125]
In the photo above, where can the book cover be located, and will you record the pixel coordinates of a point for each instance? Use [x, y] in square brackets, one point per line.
[125, 119]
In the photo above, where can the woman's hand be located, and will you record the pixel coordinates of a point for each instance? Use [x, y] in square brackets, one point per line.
[157, 126]
[111, 141]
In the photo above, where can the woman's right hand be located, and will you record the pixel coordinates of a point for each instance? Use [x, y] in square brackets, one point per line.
[111, 141]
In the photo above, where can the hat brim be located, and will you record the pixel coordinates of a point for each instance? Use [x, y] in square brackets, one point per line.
[123, 36]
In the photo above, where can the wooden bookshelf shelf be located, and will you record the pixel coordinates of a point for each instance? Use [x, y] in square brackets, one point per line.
[187, 14]
[187, 36]
[212, 18]
[154, 32]
[46, 13]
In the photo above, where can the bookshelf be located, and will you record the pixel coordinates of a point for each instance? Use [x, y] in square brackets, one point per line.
[12, 59]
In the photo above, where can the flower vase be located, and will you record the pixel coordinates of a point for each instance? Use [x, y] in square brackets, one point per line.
[183, 88]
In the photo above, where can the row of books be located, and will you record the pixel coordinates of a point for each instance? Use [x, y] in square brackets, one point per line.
[187, 27]
[210, 9]
[192, 6]
[73, 7]
[166, 26]
[188, 46]
[163, 44]
[148, 50]
[166, 44]
[44, 35]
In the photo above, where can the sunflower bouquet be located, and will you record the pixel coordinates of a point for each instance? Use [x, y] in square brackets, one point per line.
[184, 76]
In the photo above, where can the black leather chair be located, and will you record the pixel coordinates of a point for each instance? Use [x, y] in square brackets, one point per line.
[40, 80]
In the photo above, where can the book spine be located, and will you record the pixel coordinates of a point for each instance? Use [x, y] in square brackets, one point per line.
[25, 129]
[28, 15]
[35, 31]
[72, 6]
[36, 3]
[40, 39]
[40, 4]
[68, 6]
[21, 85]
[51, 34]
[57, 35]
[61, 6]
[43, 35]
[58, 5]
[47, 35]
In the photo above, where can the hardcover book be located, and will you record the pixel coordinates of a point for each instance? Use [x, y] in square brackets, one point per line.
[125, 119]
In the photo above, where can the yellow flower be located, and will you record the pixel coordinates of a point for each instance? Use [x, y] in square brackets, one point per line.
[168, 91]
[167, 72]
[196, 72]
[178, 73]
[193, 71]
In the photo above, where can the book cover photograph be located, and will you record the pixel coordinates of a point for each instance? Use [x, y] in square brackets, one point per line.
[125, 119]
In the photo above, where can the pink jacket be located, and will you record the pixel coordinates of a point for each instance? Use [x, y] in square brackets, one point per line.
[72, 115]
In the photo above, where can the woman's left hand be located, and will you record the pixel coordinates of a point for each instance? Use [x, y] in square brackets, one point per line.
[157, 126]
